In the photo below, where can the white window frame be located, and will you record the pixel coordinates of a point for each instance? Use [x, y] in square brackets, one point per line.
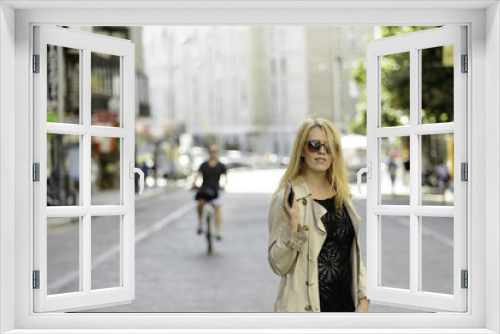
[484, 103]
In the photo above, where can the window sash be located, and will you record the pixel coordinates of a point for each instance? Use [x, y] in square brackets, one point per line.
[86, 297]
[413, 43]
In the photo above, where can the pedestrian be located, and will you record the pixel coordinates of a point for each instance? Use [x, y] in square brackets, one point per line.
[210, 191]
[314, 244]
[392, 171]
[94, 175]
[443, 177]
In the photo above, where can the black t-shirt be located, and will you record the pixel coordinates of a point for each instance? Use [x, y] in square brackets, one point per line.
[211, 175]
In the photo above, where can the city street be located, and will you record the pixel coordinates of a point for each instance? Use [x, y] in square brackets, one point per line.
[175, 274]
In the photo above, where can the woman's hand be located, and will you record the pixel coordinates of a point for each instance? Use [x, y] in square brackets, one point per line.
[363, 305]
[292, 212]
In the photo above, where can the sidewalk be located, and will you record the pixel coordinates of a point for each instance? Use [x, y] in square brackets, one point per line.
[108, 197]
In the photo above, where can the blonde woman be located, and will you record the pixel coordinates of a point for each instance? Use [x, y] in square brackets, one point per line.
[314, 244]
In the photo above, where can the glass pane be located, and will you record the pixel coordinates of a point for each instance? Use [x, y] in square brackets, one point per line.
[105, 171]
[63, 85]
[63, 170]
[437, 254]
[105, 81]
[437, 84]
[395, 89]
[395, 251]
[395, 170]
[63, 255]
[437, 169]
[106, 241]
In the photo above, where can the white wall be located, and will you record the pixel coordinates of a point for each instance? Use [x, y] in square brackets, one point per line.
[7, 159]
[492, 150]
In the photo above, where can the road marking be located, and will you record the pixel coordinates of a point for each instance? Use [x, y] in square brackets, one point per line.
[165, 221]
[159, 225]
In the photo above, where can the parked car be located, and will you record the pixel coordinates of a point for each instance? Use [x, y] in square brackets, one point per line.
[234, 159]
[354, 147]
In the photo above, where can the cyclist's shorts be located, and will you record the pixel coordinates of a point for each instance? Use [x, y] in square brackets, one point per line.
[218, 199]
[209, 195]
[206, 193]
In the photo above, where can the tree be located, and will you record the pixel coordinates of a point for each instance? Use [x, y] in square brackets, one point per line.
[437, 85]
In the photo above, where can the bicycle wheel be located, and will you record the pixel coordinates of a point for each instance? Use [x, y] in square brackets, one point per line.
[209, 233]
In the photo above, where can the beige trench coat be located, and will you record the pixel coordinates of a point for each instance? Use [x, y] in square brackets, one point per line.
[293, 255]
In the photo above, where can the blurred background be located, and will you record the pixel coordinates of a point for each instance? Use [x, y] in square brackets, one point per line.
[247, 89]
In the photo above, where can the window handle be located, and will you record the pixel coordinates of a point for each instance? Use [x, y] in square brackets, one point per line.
[367, 170]
[141, 175]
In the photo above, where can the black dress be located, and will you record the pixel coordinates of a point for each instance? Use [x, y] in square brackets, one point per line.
[334, 260]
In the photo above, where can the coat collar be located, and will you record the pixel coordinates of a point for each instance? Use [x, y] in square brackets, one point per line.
[302, 191]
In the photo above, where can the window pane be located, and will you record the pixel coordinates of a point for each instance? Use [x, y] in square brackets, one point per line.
[105, 171]
[395, 252]
[395, 170]
[63, 170]
[106, 240]
[437, 254]
[63, 85]
[105, 81]
[395, 89]
[63, 255]
[437, 84]
[437, 169]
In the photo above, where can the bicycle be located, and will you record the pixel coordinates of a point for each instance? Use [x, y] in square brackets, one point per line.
[209, 217]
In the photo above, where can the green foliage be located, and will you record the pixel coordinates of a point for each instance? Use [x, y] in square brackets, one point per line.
[51, 117]
[210, 139]
[437, 86]
[232, 146]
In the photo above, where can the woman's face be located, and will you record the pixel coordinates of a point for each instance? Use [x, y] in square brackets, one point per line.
[318, 161]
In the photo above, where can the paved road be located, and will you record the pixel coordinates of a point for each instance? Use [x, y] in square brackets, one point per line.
[174, 273]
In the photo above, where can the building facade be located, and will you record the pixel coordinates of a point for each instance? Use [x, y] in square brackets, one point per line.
[249, 88]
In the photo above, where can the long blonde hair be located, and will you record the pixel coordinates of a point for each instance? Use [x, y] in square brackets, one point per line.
[336, 173]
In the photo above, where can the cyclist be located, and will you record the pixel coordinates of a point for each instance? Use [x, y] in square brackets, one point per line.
[211, 172]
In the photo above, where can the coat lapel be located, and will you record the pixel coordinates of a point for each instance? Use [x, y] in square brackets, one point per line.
[355, 218]
[319, 211]
[302, 193]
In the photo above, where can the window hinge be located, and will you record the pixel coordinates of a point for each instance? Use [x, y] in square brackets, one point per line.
[465, 279]
[36, 279]
[465, 64]
[464, 171]
[36, 63]
[36, 172]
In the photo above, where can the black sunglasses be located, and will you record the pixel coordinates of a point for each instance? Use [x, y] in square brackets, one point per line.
[314, 146]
